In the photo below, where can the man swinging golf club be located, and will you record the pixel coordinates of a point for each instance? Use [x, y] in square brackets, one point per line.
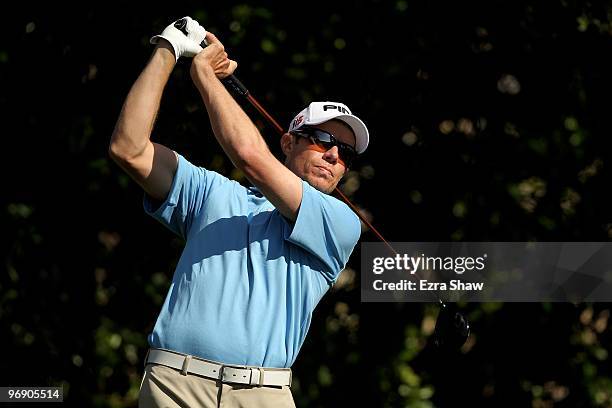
[256, 260]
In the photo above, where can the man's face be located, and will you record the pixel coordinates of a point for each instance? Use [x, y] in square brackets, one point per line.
[321, 169]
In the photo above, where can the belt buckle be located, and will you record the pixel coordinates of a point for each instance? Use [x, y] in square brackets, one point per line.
[238, 380]
[231, 380]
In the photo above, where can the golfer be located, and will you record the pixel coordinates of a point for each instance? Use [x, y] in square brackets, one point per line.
[257, 260]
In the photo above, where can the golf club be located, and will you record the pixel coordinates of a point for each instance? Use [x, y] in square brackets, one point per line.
[452, 328]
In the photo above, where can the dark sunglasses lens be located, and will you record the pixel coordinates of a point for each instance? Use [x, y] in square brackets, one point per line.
[323, 143]
[452, 328]
[327, 141]
[347, 155]
[346, 152]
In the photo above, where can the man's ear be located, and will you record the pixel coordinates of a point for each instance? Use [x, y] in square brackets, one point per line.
[286, 143]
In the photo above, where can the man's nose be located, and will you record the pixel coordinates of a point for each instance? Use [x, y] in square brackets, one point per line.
[331, 155]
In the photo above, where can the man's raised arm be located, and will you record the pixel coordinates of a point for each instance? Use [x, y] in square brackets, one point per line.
[239, 137]
[150, 164]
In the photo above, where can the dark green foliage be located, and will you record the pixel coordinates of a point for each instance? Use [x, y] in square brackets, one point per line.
[490, 122]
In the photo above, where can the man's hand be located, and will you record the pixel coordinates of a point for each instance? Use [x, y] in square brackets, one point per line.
[183, 45]
[213, 59]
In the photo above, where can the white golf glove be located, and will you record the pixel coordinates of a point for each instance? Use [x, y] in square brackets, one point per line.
[185, 35]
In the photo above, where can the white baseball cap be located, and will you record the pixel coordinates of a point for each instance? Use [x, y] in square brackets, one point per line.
[319, 112]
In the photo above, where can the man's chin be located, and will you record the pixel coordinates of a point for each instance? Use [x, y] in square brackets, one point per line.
[320, 184]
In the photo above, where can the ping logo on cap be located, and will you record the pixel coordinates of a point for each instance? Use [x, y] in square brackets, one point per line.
[337, 107]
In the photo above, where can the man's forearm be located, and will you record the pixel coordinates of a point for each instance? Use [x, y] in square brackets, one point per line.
[135, 123]
[234, 130]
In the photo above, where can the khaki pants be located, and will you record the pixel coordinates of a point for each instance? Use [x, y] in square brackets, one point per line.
[166, 387]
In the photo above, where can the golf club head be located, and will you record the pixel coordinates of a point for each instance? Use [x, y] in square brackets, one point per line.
[452, 328]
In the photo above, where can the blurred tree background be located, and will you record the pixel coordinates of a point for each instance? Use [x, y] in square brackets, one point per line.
[490, 121]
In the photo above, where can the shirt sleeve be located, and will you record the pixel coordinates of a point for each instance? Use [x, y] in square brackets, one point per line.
[190, 188]
[327, 228]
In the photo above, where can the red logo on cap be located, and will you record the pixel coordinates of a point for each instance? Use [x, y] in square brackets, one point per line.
[298, 120]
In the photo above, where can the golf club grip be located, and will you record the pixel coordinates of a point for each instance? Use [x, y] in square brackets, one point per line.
[231, 81]
[181, 24]
[234, 84]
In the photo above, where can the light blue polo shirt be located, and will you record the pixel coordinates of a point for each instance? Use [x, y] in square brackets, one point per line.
[248, 280]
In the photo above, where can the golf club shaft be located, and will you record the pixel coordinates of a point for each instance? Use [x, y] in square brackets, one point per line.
[234, 84]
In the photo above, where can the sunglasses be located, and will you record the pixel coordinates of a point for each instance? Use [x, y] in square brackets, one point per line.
[325, 141]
